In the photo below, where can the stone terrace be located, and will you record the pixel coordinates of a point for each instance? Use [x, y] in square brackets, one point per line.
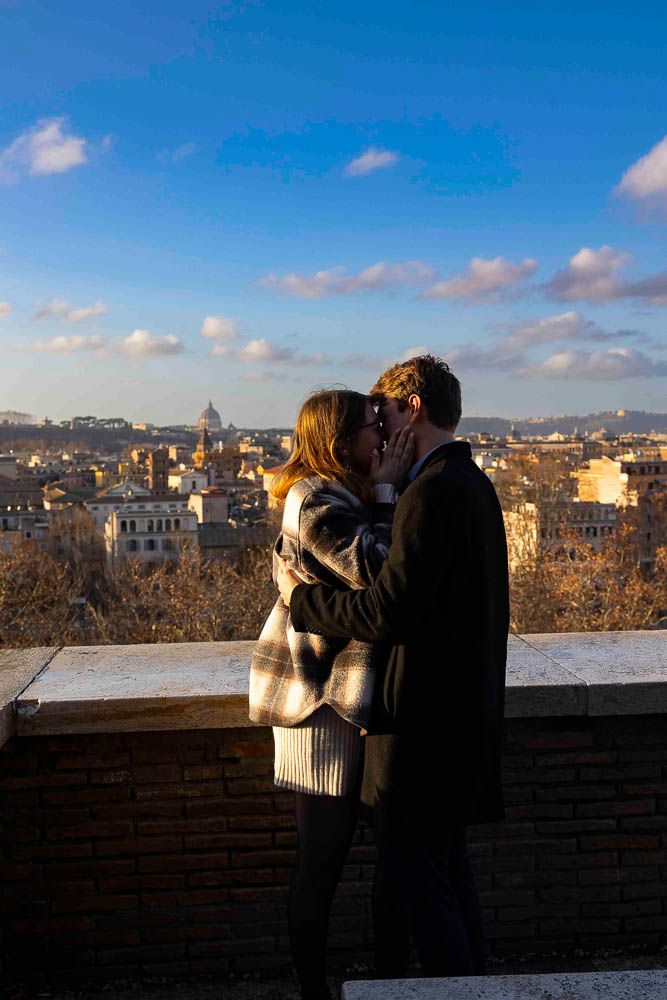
[143, 834]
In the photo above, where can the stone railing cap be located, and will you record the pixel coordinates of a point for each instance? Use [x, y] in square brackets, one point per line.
[204, 685]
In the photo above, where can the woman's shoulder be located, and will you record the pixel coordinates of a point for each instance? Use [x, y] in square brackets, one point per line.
[316, 490]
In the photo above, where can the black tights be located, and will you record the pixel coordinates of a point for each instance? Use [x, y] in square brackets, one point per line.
[325, 826]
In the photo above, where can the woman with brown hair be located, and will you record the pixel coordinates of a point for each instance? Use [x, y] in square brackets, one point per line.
[338, 494]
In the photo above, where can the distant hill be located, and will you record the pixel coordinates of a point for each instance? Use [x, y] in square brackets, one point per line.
[617, 422]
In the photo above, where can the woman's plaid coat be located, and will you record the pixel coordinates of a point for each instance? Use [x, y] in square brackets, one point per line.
[328, 536]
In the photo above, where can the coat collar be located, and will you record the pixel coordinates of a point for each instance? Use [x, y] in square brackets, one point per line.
[454, 449]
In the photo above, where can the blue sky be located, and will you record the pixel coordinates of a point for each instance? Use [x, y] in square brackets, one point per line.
[241, 201]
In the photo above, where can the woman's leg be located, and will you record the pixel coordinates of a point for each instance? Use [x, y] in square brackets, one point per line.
[325, 825]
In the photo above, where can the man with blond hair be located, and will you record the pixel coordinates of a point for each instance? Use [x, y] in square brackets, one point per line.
[440, 603]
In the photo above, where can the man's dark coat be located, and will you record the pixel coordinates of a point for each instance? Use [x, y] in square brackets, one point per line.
[441, 604]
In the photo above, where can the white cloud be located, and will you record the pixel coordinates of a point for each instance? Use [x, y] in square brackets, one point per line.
[647, 178]
[66, 313]
[372, 159]
[483, 279]
[590, 275]
[223, 351]
[219, 328]
[142, 344]
[598, 366]
[256, 376]
[263, 350]
[336, 282]
[5, 309]
[176, 155]
[569, 325]
[472, 357]
[70, 345]
[46, 148]
[652, 289]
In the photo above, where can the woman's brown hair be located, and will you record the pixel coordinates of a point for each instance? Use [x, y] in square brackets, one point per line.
[326, 421]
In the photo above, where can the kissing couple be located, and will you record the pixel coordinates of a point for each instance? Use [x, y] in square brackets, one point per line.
[381, 667]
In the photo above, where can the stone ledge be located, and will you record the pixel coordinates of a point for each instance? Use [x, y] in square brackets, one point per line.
[18, 667]
[638, 985]
[202, 685]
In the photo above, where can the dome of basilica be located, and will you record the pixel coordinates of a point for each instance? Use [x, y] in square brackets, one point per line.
[210, 419]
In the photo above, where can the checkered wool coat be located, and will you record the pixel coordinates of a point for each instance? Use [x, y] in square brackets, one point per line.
[328, 536]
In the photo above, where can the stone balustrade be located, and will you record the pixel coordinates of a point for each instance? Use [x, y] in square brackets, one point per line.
[143, 833]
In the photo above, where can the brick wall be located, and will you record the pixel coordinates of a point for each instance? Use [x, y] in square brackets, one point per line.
[169, 853]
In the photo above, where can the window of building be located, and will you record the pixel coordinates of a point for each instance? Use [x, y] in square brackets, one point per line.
[123, 525]
[167, 524]
[150, 525]
[169, 544]
[133, 525]
[28, 534]
[158, 525]
[132, 544]
[177, 524]
[150, 545]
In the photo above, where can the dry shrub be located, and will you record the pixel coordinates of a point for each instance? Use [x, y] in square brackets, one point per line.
[191, 601]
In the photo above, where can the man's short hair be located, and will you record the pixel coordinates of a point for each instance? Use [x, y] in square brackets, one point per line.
[429, 378]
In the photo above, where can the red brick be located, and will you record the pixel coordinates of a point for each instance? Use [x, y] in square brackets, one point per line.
[202, 772]
[138, 845]
[104, 939]
[630, 908]
[90, 830]
[575, 757]
[635, 808]
[646, 790]
[248, 876]
[271, 822]
[186, 791]
[119, 758]
[550, 740]
[112, 776]
[577, 826]
[602, 860]
[182, 862]
[257, 767]
[257, 859]
[77, 796]
[138, 809]
[616, 841]
[540, 811]
[115, 902]
[46, 851]
[232, 807]
[250, 786]
[248, 749]
[209, 841]
[644, 857]
[575, 792]
[27, 781]
[618, 876]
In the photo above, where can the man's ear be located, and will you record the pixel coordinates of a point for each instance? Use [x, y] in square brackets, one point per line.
[415, 406]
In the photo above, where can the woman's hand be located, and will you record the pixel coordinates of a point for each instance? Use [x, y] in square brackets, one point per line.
[286, 579]
[393, 464]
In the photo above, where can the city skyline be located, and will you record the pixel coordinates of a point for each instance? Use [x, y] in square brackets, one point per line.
[250, 202]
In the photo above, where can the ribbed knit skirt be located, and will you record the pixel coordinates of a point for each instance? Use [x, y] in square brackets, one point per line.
[321, 755]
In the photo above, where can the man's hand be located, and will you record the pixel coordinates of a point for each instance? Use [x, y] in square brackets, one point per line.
[393, 464]
[287, 580]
